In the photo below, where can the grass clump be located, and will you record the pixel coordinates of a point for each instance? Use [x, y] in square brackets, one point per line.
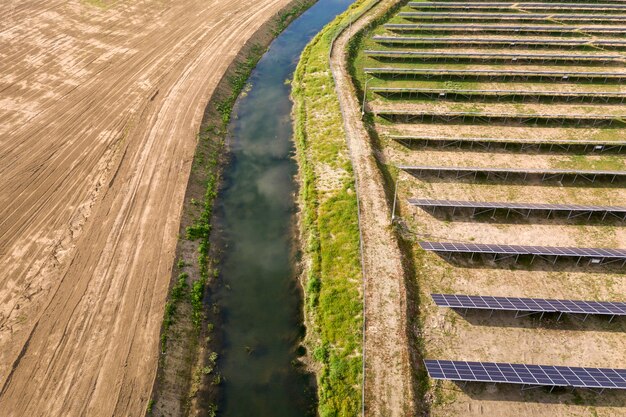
[285, 17]
[176, 295]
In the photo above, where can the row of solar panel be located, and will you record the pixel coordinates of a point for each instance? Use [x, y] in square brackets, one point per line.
[506, 115]
[512, 28]
[508, 41]
[517, 206]
[438, 91]
[593, 17]
[563, 376]
[512, 170]
[420, 54]
[582, 142]
[560, 74]
[455, 247]
[529, 304]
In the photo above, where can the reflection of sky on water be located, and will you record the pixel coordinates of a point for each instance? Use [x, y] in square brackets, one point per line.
[261, 305]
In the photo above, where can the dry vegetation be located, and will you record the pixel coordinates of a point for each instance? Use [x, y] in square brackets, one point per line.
[477, 336]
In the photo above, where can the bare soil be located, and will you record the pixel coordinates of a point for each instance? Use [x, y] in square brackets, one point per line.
[100, 107]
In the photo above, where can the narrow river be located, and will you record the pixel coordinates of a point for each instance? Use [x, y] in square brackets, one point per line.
[259, 296]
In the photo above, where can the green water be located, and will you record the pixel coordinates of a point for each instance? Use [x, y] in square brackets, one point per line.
[259, 298]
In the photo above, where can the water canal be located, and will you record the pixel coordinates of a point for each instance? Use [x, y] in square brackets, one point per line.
[259, 296]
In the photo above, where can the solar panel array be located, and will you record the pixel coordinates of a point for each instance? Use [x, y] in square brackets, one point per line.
[508, 41]
[563, 74]
[440, 93]
[514, 170]
[512, 140]
[538, 305]
[510, 205]
[457, 247]
[509, 28]
[609, 25]
[534, 16]
[515, 115]
[556, 376]
[495, 55]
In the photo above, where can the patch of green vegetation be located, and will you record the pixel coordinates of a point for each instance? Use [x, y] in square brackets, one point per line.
[285, 17]
[607, 134]
[176, 295]
[149, 407]
[330, 227]
[582, 162]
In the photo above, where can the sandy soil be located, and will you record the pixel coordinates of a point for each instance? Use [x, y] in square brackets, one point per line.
[388, 385]
[99, 111]
[469, 85]
[512, 132]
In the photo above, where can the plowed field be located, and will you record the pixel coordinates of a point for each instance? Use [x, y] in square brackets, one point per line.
[100, 104]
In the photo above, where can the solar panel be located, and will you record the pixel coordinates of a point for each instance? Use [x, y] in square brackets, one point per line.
[538, 305]
[500, 92]
[392, 70]
[514, 170]
[437, 93]
[511, 373]
[516, 206]
[555, 16]
[416, 54]
[511, 28]
[457, 247]
[408, 116]
[508, 41]
[511, 140]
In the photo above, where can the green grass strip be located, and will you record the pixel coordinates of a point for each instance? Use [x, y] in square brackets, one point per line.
[330, 230]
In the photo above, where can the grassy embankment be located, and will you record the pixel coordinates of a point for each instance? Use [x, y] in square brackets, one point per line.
[187, 348]
[329, 227]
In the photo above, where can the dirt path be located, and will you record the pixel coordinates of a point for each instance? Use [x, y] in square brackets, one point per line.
[388, 372]
[99, 111]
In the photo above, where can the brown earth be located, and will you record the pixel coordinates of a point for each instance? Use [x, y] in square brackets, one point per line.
[100, 105]
[388, 380]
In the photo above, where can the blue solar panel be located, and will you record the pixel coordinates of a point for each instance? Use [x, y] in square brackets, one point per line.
[523, 250]
[529, 304]
[516, 206]
[513, 373]
[508, 41]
